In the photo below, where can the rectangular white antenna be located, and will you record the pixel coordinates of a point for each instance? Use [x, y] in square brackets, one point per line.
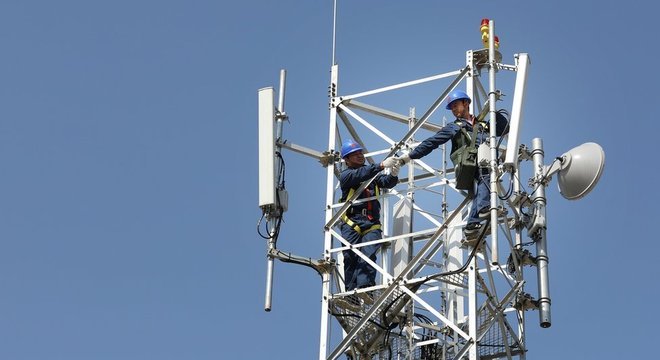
[517, 111]
[266, 147]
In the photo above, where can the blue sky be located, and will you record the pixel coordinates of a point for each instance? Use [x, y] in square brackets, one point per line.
[128, 157]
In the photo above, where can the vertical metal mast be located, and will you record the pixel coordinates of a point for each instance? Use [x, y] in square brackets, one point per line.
[334, 31]
[493, 142]
[471, 87]
[538, 201]
[276, 215]
[329, 197]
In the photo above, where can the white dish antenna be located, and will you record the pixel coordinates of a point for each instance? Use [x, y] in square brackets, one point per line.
[580, 171]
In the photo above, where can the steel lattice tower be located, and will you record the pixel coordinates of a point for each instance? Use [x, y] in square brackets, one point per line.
[438, 296]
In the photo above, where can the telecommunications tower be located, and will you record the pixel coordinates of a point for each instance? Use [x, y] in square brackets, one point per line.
[437, 295]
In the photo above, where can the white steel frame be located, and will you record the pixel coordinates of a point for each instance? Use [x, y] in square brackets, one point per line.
[482, 285]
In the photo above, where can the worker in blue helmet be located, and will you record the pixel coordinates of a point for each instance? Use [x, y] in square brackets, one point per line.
[455, 96]
[458, 102]
[361, 222]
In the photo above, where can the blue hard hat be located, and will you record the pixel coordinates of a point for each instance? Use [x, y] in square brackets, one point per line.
[349, 147]
[457, 95]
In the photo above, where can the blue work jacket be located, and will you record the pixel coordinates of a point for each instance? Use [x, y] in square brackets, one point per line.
[452, 132]
[352, 178]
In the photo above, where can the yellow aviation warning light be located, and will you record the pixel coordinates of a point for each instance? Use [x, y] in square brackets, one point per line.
[484, 34]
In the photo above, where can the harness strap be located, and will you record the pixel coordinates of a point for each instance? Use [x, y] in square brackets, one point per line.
[471, 140]
[370, 204]
[357, 227]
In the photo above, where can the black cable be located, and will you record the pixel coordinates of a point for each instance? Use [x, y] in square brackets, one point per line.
[505, 114]
[276, 231]
[528, 243]
[263, 214]
[282, 172]
[359, 317]
[473, 253]
[291, 260]
[280, 210]
[386, 344]
[423, 318]
[393, 302]
[453, 272]
[508, 193]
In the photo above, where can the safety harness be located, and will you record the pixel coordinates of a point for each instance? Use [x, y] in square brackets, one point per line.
[367, 212]
[464, 155]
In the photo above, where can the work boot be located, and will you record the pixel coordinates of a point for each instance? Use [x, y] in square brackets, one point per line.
[472, 230]
[471, 235]
[484, 213]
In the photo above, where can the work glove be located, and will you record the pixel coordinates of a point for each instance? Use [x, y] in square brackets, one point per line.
[389, 162]
[395, 169]
[403, 159]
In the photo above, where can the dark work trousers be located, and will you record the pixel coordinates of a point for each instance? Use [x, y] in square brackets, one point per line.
[482, 197]
[357, 272]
